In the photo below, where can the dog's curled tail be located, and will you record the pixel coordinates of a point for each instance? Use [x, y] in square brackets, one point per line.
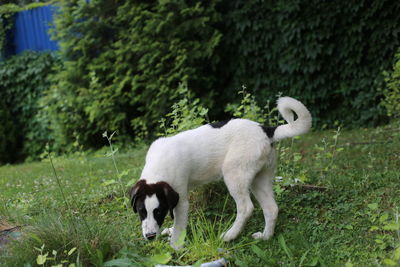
[286, 106]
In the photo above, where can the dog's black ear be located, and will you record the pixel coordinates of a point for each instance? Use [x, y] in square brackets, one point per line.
[133, 193]
[172, 198]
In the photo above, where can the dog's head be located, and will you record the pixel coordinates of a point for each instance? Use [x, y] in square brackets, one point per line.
[152, 202]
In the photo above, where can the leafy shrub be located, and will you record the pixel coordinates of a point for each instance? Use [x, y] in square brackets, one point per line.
[329, 54]
[392, 90]
[123, 64]
[187, 113]
[248, 108]
[24, 122]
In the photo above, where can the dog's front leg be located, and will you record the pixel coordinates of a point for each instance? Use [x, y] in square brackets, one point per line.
[180, 222]
[167, 231]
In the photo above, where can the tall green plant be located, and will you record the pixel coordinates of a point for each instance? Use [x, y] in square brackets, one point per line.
[123, 64]
[249, 108]
[187, 113]
[391, 92]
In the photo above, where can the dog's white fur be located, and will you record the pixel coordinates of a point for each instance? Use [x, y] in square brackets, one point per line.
[240, 152]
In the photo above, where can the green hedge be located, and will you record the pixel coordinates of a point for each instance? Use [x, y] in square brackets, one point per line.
[24, 123]
[123, 63]
[329, 54]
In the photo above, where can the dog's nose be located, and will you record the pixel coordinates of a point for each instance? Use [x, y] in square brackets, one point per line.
[151, 236]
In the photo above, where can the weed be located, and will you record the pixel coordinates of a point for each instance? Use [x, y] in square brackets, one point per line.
[186, 114]
[119, 175]
[249, 109]
[386, 229]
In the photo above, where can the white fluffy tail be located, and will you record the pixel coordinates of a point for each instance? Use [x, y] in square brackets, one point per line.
[286, 106]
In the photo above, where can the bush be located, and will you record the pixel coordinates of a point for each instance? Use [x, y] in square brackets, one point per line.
[392, 90]
[187, 113]
[329, 54]
[124, 62]
[24, 122]
[248, 108]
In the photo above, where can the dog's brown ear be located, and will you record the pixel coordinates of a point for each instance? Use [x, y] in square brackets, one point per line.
[172, 198]
[133, 193]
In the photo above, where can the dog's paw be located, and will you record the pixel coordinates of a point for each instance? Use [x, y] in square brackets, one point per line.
[228, 236]
[167, 231]
[257, 235]
[260, 235]
[175, 246]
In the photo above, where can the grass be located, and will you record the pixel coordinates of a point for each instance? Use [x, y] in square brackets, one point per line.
[349, 218]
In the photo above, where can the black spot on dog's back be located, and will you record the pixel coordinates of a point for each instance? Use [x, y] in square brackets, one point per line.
[269, 131]
[219, 124]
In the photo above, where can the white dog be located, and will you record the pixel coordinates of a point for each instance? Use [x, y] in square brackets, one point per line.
[240, 151]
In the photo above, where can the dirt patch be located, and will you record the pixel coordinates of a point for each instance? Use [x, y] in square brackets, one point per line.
[5, 225]
[8, 232]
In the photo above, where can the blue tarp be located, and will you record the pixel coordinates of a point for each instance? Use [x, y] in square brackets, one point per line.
[31, 30]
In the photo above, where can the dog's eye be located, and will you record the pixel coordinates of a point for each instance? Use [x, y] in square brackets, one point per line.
[142, 213]
[157, 212]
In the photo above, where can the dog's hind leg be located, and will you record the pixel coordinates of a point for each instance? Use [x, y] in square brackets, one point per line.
[263, 191]
[238, 185]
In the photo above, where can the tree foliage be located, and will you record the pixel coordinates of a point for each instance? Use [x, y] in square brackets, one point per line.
[391, 92]
[123, 64]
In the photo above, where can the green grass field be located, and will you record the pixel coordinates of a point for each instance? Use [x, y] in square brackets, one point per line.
[339, 202]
